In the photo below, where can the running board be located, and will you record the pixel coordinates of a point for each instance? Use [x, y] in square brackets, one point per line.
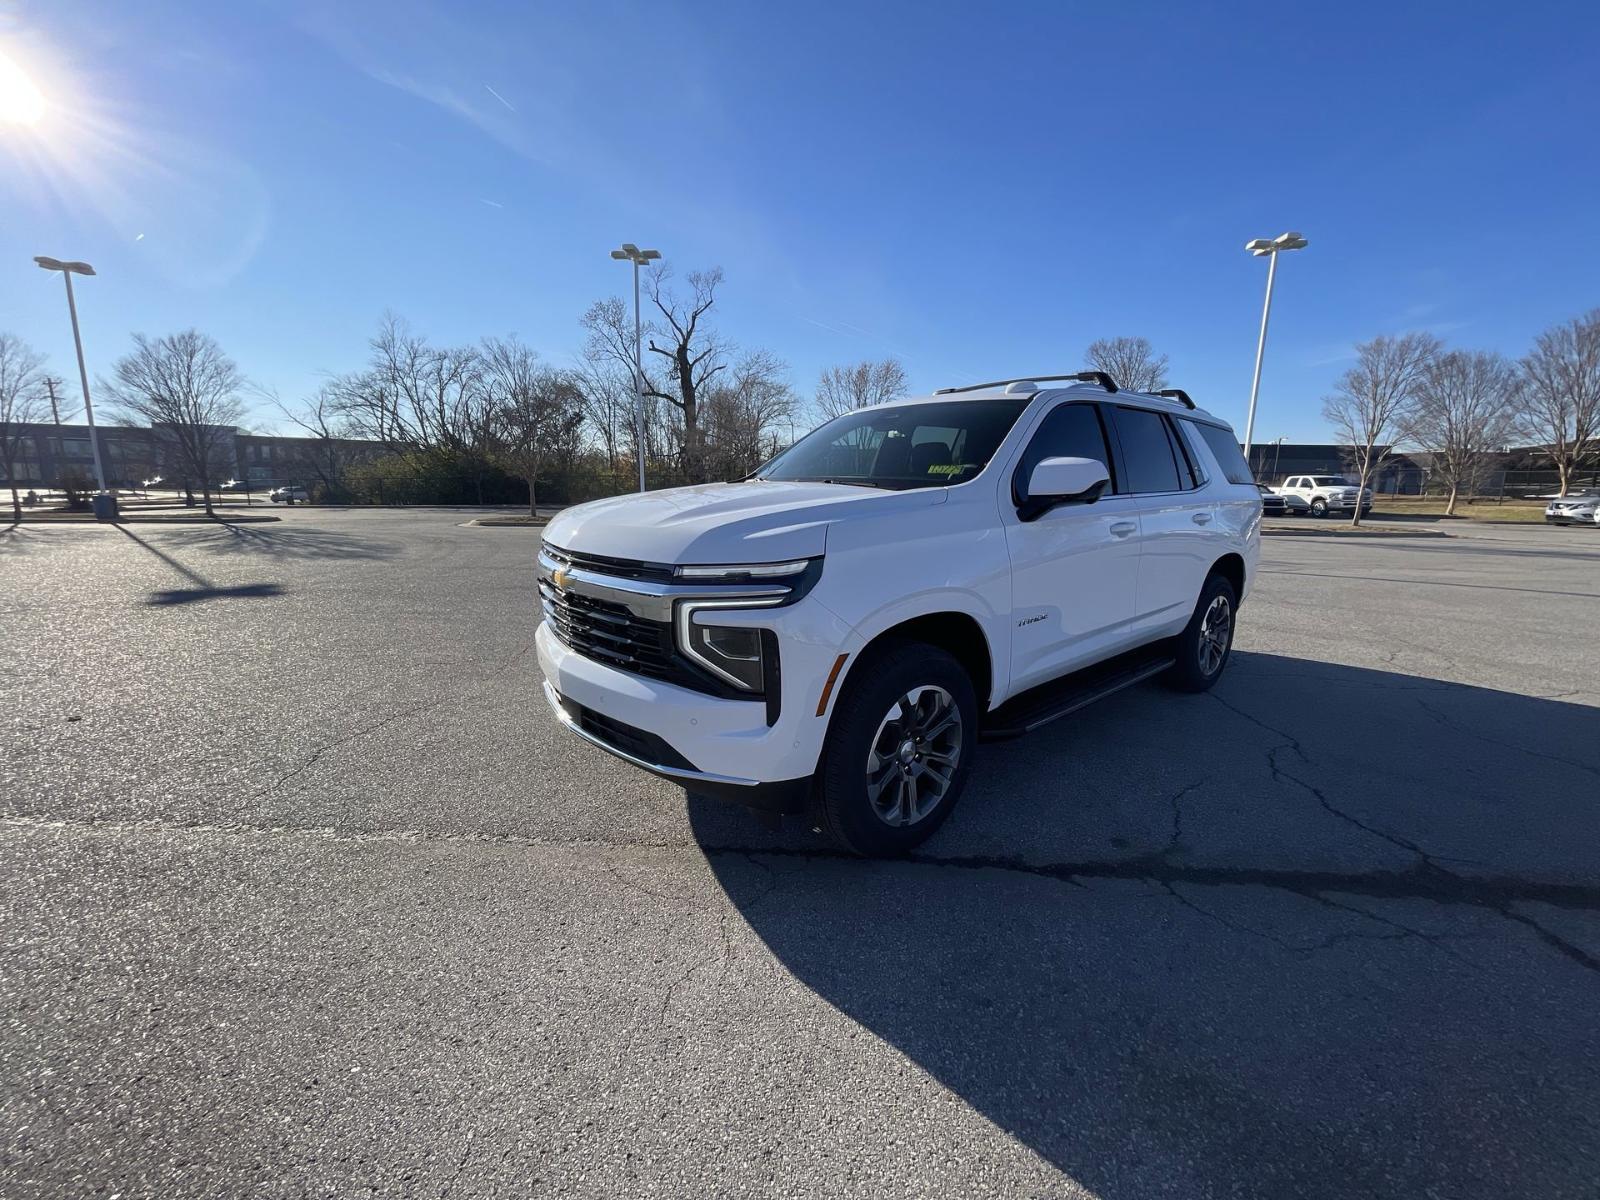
[1051, 701]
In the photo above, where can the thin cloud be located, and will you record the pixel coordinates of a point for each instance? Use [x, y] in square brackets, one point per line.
[499, 97]
[490, 203]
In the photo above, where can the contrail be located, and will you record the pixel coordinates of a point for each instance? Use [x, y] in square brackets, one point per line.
[490, 203]
[499, 97]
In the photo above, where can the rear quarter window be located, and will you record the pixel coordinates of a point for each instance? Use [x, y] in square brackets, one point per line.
[1226, 451]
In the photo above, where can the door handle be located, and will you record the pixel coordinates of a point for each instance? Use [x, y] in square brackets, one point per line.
[1124, 528]
[1201, 518]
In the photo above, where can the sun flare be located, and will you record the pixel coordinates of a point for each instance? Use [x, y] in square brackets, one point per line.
[21, 103]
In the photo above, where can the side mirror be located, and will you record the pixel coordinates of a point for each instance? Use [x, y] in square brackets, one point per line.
[1057, 481]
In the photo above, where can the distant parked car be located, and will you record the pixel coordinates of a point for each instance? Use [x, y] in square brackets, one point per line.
[1293, 505]
[1272, 504]
[1323, 494]
[289, 495]
[1580, 508]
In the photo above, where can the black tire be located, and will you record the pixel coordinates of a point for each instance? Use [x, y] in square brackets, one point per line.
[1198, 667]
[862, 719]
[1319, 507]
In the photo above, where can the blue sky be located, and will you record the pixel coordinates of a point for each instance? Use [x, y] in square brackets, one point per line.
[979, 190]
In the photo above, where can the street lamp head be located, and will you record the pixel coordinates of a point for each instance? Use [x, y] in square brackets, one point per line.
[633, 254]
[55, 264]
[1261, 247]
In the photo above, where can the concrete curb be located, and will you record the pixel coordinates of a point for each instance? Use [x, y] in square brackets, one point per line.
[89, 519]
[1357, 533]
[504, 523]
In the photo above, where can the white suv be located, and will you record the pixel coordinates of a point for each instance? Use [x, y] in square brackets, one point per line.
[834, 633]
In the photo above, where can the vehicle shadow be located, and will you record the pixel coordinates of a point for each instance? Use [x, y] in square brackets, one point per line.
[1237, 944]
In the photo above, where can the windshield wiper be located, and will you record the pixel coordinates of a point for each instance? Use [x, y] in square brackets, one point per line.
[871, 483]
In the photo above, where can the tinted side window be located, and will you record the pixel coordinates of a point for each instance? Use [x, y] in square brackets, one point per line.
[1068, 431]
[1226, 451]
[1147, 452]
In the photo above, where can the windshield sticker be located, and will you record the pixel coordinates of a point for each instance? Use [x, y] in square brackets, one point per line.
[949, 468]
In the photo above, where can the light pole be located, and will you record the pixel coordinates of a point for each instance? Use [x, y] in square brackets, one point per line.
[68, 270]
[638, 258]
[1268, 249]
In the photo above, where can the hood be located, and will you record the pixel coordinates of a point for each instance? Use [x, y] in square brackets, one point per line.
[752, 522]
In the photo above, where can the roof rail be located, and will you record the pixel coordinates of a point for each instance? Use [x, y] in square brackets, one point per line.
[1099, 377]
[1178, 394]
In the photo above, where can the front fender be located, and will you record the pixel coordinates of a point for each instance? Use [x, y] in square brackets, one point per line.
[993, 625]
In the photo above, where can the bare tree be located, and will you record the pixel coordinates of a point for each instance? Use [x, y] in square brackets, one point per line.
[1561, 396]
[420, 401]
[22, 402]
[1370, 408]
[1131, 361]
[747, 414]
[692, 355]
[334, 450]
[413, 395]
[688, 355]
[186, 387]
[537, 409]
[845, 389]
[606, 375]
[1465, 410]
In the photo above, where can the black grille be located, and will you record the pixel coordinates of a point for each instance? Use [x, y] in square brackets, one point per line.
[609, 633]
[625, 568]
[650, 747]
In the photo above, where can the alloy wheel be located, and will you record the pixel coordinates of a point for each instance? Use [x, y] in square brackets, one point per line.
[1216, 632]
[914, 755]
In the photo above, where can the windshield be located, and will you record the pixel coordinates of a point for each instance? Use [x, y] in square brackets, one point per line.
[902, 445]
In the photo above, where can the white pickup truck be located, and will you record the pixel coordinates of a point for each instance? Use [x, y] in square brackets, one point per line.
[834, 633]
[1323, 494]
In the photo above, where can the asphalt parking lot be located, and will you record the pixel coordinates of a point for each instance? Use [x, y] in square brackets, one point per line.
[306, 894]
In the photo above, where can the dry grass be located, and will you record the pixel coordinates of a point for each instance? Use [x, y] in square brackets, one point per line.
[1519, 511]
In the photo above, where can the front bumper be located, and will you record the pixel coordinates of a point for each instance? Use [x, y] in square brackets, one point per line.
[789, 795]
[717, 745]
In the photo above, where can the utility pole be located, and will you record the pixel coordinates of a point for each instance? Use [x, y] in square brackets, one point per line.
[51, 383]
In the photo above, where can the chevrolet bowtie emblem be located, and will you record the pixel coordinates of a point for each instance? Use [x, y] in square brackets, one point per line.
[559, 577]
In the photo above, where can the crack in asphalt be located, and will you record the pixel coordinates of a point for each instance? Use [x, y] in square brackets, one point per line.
[345, 739]
[1176, 802]
[1451, 723]
[1423, 880]
[1426, 861]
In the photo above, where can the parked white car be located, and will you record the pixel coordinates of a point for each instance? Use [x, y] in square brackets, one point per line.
[1580, 508]
[1323, 494]
[833, 633]
[292, 494]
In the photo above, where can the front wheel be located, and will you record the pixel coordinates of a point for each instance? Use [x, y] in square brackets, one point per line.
[1203, 646]
[899, 750]
[1319, 507]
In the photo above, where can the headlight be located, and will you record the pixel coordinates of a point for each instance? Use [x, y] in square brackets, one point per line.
[735, 654]
[735, 571]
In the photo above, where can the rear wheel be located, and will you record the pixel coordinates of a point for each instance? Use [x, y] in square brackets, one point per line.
[899, 750]
[1203, 646]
